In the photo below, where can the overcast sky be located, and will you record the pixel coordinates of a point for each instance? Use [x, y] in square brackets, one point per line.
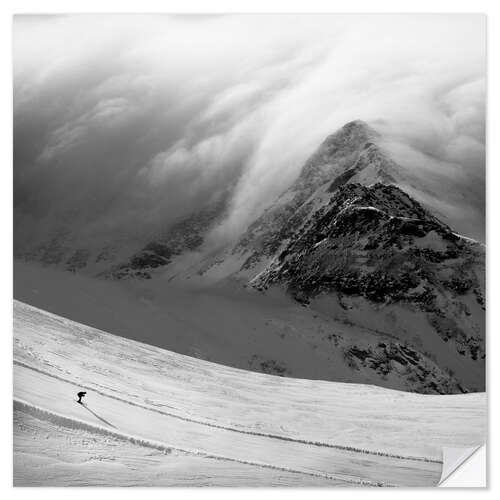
[123, 122]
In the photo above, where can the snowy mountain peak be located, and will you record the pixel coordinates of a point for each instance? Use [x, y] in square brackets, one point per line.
[349, 155]
[339, 150]
[353, 131]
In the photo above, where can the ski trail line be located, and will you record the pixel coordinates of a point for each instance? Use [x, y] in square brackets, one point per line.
[229, 428]
[44, 414]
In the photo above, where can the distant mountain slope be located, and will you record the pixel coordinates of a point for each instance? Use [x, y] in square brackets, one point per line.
[375, 247]
[184, 236]
[128, 255]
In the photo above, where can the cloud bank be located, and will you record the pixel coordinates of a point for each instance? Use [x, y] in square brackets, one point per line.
[123, 124]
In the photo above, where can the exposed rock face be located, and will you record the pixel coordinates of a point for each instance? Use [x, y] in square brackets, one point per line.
[376, 242]
[184, 236]
[377, 245]
[78, 260]
[417, 372]
[269, 366]
[53, 252]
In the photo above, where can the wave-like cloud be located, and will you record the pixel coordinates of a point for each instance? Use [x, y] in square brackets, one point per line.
[124, 123]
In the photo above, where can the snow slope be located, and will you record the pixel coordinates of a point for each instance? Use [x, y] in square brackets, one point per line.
[56, 453]
[157, 417]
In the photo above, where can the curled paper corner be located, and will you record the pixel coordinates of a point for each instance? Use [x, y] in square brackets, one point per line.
[456, 460]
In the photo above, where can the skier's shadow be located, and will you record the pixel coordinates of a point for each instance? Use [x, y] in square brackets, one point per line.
[97, 416]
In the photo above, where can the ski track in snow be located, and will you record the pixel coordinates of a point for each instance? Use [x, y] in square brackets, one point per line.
[232, 429]
[50, 453]
[80, 424]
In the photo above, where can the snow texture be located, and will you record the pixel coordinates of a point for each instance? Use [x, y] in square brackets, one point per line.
[161, 418]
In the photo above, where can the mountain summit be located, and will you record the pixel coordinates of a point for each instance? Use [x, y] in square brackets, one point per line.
[338, 151]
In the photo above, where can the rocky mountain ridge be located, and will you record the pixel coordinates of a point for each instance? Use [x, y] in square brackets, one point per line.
[378, 244]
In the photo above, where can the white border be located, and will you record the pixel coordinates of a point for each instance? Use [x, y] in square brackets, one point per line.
[8, 8]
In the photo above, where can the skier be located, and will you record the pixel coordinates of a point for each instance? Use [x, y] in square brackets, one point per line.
[80, 396]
